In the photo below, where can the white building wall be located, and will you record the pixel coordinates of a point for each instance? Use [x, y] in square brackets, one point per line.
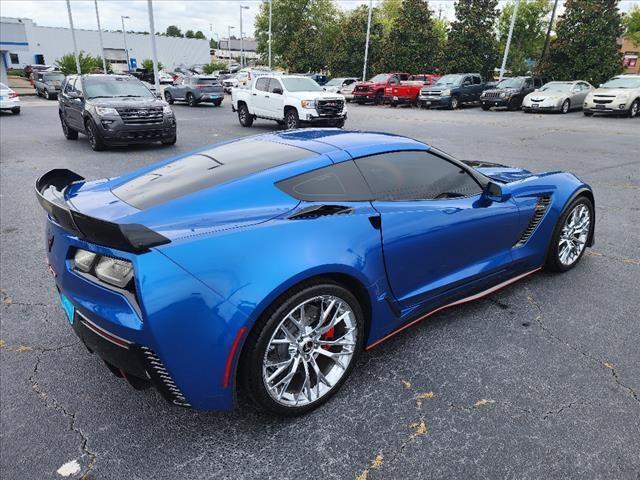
[54, 42]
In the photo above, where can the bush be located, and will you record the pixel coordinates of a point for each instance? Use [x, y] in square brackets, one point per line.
[88, 64]
[147, 64]
[213, 67]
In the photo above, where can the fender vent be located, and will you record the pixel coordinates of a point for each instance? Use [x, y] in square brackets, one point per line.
[316, 211]
[538, 214]
[162, 379]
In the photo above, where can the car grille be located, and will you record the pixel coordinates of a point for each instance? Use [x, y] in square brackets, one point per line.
[154, 134]
[162, 379]
[140, 116]
[361, 89]
[538, 214]
[329, 106]
[603, 100]
[431, 93]
[491, 94]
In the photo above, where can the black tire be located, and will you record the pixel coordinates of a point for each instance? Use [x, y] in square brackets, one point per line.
[46, 94]
[191, 100]
[37, 92]
[634, 110]
[588, 114]
[566, 106]
[95, 140]
[170, 141]
[512, 105]
[454, 103]
[291, 119]
[68, 132]
[553, 262]
[15, 110]
[168, 98]
[218, 103]
[378, 99]
[253, 354]
[485, 107]
[244, 117]
[340, 123]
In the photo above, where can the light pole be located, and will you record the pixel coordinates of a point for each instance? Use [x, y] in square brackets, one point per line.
[229, 44]
[73, 36]
[124, 36]
[104, 60]
[270, 5]
[242, 7]
[546, 40]
[506, 48]
[366, 45]
[152, 32]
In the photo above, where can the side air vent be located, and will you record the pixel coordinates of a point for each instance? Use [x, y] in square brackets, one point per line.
[162, 379]
[538, 214]
[321, 211]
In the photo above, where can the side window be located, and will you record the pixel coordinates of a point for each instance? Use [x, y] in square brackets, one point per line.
[466, 81]
[341, 182]
[262, 84]
[528, 83]
[348, 82]
[78, 86]
[477, 80]
[69, 85]
[537, 82]
[414, 175]
[274, 83]
[404, 77]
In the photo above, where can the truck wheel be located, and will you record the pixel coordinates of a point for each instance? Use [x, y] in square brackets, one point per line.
[168, 97]
[46, 94]
[191, 100]
[69, 133]
[378, 99]
[244, 117]
[453, 103]
[95, 140]
[634, 109]
[566, 106]
[340, 123]
[291, 119]
[485, 107]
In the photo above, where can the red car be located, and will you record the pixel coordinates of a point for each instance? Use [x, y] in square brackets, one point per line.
[373, 90]
[399, 91]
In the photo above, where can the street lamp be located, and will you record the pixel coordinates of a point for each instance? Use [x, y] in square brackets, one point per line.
[270, 5]
[104, 60]
[229, 44]
[242, 7]
[124, 36]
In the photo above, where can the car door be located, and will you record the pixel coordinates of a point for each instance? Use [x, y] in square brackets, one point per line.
[476, 89]
[260, 96]
[77, 105]
[179, 91]
[439, 230]
[465, 88]
[580, 93]
[274, 100]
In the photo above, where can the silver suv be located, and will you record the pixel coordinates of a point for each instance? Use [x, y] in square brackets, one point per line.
[618, 96]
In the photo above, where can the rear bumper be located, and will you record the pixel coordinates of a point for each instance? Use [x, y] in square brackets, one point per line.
[210, 97]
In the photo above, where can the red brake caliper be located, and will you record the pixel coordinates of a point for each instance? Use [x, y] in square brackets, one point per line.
[328, 335]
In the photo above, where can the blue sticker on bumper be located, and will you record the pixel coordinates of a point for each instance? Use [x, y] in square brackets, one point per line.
[68, 307]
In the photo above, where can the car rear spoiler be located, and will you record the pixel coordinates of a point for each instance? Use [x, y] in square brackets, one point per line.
[130, 237]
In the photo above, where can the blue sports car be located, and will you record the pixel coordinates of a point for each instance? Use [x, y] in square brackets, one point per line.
[269, 263]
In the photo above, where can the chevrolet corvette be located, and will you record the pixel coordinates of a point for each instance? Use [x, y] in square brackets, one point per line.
[266, 265]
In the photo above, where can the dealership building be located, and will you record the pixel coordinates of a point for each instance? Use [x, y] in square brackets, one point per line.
[23, 42]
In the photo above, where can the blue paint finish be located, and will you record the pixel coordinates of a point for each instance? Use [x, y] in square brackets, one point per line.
[234, 249]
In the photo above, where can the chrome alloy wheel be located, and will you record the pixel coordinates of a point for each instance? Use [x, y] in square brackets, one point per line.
[573, 237]
[310, 351]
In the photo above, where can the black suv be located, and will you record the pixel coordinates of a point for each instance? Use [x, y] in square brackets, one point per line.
[510, 92]
[48, 84]
[114, 110]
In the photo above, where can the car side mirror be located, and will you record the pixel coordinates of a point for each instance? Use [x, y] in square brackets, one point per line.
[466, 84]
[74, 96]
[277, 91]
[496, 192]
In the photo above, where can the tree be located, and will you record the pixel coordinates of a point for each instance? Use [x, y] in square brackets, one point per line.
[209, 68]
[631, 23]
[88, 63]
[529, 33]
[390, 10]
[413, 44]
[585, 47]
[189, 34]
[173, 31]
[471, 45]
[199, 35]
[347, 57]
[147, 64]
[213, 43]
[304, 33]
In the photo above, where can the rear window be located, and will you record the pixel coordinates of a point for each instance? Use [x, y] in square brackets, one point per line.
[206, 169]
[206, 81]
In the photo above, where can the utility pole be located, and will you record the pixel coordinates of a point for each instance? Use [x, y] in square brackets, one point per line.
[229, 27]
[242, 7]
[506, 49]
[366, 45]
[154, 51]
[270, 12]
[548, 37]
[124, 36]
[104, 60]
[73, 35]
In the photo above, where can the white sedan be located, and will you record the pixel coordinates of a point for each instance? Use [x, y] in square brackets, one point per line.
[9, 99]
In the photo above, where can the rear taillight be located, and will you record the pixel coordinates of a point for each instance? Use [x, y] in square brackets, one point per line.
[13, 95]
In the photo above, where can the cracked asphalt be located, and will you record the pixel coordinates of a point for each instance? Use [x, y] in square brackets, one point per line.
[540, 380]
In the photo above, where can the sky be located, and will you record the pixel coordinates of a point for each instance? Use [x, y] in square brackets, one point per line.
[210, 16]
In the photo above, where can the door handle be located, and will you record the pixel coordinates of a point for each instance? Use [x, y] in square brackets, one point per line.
[254, 94]
[266, 96]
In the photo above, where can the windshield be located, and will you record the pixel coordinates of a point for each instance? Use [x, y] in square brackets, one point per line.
[53, 77]
[301, 84]
[334, 81]
[509, 83]
[450, 80]
[106, 87]
[622, 82]
[382, 78]
[556, 87]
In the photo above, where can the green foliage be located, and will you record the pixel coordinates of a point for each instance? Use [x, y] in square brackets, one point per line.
[173, 31]
[390, 10]
[529, 33]
[585, 47]
[413, 44]
[199, 35]
[471, 44]
[88, 63]
[189, 34]
[304, 33]
[347, 56]
[147, 64]
[213, 67]
[213, 43]
[631, 23]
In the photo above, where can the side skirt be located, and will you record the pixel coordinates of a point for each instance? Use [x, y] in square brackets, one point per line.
[471, 298]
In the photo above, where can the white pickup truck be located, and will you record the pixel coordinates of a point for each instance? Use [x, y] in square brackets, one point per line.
[290, 100]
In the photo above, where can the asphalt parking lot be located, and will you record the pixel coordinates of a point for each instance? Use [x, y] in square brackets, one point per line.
[540, 380]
